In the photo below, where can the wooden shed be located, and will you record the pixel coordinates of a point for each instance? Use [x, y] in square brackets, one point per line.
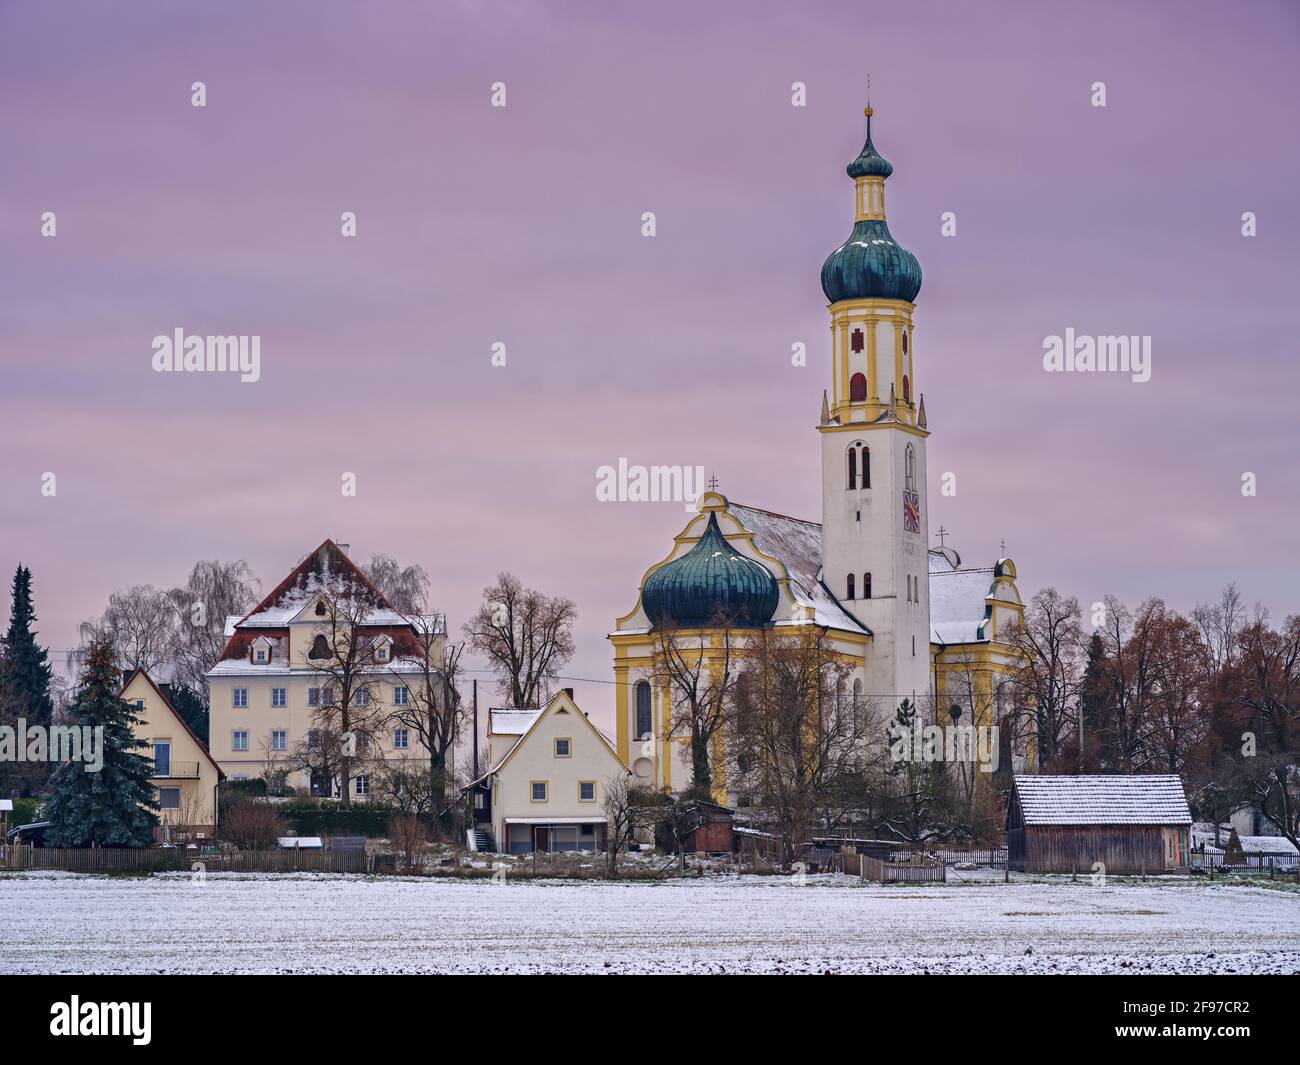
[1130, 824]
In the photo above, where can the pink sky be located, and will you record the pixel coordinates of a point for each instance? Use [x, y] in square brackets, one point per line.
[522, 225]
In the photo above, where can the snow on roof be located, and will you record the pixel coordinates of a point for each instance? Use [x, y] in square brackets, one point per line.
[511, 722]
[302, 842]
[798, 544]
[1266, 845]
[1103, 800]
[957, 607]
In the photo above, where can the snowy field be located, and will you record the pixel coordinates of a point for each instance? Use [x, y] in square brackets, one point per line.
[320, 923]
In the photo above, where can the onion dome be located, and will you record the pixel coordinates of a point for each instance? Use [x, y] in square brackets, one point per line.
[870, 163]
[709, 583]
[871, 264]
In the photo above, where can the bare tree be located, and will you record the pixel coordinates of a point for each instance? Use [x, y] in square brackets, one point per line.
[405, 587]
[792, 744]
[624, 806]
[1219, 625]
[213, 591]
[345, 655]
[1049, 645]
[434, 710]
[525, 635]
[697, 668]
[252, 824]
[141, 623]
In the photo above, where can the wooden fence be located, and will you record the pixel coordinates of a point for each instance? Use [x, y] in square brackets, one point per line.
[900, 872]
[172, 859]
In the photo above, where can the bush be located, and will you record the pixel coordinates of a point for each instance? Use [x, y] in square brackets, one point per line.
[252, 824]
[409, 836]
[25, 811]
[326, 818]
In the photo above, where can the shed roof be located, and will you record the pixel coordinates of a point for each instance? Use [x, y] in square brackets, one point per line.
[1103, 800]
[1276, 845]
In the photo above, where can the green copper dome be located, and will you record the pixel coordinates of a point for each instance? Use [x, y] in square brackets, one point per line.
[870, 163]
[709, 583]
[871, 264]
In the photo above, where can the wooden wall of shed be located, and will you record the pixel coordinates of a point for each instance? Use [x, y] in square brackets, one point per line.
[1074, 848]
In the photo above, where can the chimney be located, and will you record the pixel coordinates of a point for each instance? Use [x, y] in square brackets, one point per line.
[345, 548]
[568, 692]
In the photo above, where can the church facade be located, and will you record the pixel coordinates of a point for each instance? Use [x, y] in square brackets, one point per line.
[911, 620]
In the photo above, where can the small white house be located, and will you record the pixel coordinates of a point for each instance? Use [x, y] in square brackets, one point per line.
[545, 788]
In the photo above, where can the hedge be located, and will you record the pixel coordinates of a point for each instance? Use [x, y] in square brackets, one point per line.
[317, 818]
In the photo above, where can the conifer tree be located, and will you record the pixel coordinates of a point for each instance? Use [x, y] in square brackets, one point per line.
[26, 673]
[114, 807]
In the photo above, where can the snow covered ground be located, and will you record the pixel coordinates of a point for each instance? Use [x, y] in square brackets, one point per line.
[59, 922]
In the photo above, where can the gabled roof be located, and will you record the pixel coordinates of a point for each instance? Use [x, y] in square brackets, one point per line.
[537, 716]
[1102, 800]
[175, 713]
[798, 545]
[1277, 845]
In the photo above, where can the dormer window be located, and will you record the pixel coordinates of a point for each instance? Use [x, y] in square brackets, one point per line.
[381, 653]
[384, 649]
[259, 654]
[261, 651]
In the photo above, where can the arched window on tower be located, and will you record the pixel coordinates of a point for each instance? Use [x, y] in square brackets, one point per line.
[643, 724]
[907, 389]
[853, 466]
[855, 341]
[859, 465]
[866, 467]
[904, 341]
[866, 586]
[851, 586]
[909, 468]
[858, 388]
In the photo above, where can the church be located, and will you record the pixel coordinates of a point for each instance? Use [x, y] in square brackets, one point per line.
[911, 620]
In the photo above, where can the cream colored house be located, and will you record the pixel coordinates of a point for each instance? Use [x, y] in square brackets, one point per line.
[185, 774]
[545, 790]
[273, 690]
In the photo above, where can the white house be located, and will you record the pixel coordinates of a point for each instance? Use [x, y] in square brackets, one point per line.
[545, 786]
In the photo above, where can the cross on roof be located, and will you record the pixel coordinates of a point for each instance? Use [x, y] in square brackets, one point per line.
[713, 483]
[941, 534]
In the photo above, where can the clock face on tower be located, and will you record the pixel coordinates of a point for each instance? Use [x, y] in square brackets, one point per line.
[911, 512]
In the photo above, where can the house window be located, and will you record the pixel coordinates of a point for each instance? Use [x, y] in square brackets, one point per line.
[320, 647]
[279, 697]
[313, 697]
[381, 653]
[562, 747]
[539, 789]
[279, 739]
[644, 726]
[259, 655]
[327, 697]
[169, 798]
[239, 740]
[866, 586]
[162, 758]
[857, 388]
[401, 738]
[850, 595]
[586, 791]
[361, 697]
[401, 695]
[139, 704]
[313, 739]
[238, 697]
[362, 784]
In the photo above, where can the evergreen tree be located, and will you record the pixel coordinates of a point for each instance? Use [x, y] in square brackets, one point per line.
[116, 806]
[25, 668]
[190, 705]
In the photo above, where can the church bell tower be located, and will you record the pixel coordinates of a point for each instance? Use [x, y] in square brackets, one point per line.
[873, 430]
